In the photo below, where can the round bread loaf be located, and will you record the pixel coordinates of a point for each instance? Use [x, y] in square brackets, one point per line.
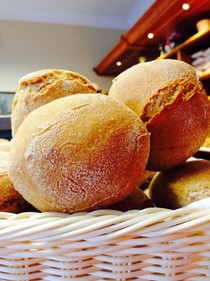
[169, 98]
[10, 200]
[78, 153]
[181, 185]
[43, 86]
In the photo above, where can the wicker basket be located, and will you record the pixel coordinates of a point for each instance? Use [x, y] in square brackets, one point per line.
[152, 244]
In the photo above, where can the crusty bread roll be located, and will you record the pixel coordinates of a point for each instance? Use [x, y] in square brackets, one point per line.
[78, 153]
[182, 185]
[10, 199]
[43, 86]
[171, 101]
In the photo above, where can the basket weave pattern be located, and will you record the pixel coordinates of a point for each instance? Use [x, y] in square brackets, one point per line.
[152, 244]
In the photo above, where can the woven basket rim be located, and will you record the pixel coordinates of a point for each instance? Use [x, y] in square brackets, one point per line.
[151, 244]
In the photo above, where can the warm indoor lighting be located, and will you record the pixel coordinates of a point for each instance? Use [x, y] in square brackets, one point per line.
[185, 6]
[118, 63]
[150, 35]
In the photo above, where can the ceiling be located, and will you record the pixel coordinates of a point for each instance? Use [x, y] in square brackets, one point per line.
[115, 14]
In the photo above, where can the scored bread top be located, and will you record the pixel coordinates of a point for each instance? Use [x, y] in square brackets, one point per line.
[41, 87]
[171, 101]
[46, 77]
[147, 87]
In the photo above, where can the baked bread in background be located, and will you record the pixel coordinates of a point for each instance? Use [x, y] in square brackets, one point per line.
[79, 153]
[171, 101]
[10, 199]
[41, 87]
[182, 185]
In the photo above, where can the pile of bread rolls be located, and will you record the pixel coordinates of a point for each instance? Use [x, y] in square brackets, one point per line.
[74, 149]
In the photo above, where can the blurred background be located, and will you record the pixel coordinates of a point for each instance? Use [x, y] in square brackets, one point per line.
[73, 35]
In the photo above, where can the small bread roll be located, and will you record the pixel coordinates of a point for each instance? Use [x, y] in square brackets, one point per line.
[137, 199]
[182, 185]
[79, 153]
[168, 96]
[43, 86]
[10, 199]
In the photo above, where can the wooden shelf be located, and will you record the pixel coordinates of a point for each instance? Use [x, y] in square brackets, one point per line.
[197, 42]
[190, 45]
[162, 18]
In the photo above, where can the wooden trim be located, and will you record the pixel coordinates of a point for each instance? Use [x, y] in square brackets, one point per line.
[161, 18]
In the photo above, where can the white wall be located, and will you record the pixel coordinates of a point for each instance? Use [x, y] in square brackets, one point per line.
[27, 47]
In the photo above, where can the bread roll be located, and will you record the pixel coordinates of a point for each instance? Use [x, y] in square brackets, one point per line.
[10, 199]
[43, 86]
[78, 153]
[182, 185]
[168, 96]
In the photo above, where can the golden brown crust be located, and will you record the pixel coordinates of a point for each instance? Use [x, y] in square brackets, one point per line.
[79, 153]
[140, 84]
[178, 131]
[10, 199]
[43, 86]
[169, 98]
[182, 185]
